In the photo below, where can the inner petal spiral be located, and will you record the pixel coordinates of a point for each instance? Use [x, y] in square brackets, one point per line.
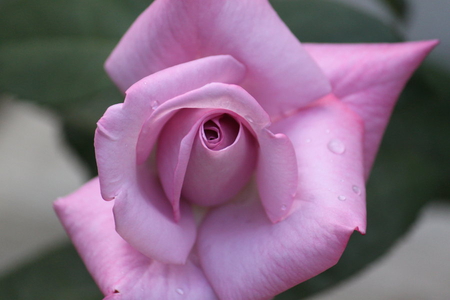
[222, 159]
[211, 131]
[220, 132]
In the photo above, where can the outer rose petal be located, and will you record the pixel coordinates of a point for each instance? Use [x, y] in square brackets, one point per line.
[120, 177]
[251, 258]
[369, 78]
[120, 271]
[277, 184]
[328, 140]
[143, 214]
[144, 218]
[281, 75]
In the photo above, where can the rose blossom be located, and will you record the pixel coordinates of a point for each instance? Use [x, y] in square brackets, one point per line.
[236, 166]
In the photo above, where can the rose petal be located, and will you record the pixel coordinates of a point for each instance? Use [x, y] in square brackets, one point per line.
[280, 179]
[369, 78]
[328, 141]
[174, 150]
[120, 271]
[281, 75]
[251, 258]
[144, 218]
[277, 174]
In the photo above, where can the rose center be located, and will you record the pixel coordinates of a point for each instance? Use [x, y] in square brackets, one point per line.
[211, 134]
[220, 132]
[221, 161]
[211, 131]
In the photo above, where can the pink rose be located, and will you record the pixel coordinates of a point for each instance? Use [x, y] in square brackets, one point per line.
[235, 168]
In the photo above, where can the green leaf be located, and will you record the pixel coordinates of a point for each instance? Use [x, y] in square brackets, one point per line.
[431, 114]
[21, 19]
[398, 7]
[59, 274]
[53, 71]
[324, 21]
[65, 75]
[79, 124]
[52, 53]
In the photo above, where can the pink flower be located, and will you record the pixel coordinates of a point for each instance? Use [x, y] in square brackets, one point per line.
[235, 168]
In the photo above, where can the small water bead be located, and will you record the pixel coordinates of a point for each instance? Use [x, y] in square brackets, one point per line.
[283, 207]
[356, 189]
[328, 131]
[308, 140]
[249, 118]
[180, 291]
[342, 198]
[154, 104]
[336, 146]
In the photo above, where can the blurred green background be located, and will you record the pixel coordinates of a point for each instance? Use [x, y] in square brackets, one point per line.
[51, 55]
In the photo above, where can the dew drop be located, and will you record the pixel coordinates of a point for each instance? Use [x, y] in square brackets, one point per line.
[356, 189]
[308, 140]
[250, 119]
[283, 207]
[342, 198]
[336, 146]
[180, 291]
[154, 104]
[328, 131]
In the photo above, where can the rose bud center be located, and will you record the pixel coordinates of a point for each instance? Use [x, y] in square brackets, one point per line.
[222, 160]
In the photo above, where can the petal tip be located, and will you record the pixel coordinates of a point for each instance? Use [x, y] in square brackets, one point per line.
[361, 229]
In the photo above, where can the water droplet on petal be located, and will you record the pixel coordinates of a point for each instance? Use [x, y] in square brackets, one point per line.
[328, 131]
[250, 119]
[356, 189]
[336, 146]
[342, 198]
[283, 207]
[154, 104]
[180, 291]
[308, 140]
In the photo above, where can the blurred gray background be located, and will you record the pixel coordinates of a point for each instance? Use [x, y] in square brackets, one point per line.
[36, 168]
